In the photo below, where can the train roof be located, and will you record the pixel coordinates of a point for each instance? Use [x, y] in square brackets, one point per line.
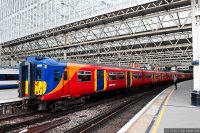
[51, 61]
[9, 71]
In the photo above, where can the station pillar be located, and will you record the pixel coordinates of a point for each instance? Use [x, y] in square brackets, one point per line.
[65, 44]
[195, 8]
[12, 61]
[65, 54]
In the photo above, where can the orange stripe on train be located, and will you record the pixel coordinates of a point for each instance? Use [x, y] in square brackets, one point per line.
[72, 68]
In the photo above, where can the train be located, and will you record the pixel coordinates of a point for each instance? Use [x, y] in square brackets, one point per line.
[51, 83]
[9, 78]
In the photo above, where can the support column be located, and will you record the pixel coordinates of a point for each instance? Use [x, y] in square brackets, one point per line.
[98, 54]
[98, 60]
[65, 44]
[119, 63]
[11, 60]
[195, 95]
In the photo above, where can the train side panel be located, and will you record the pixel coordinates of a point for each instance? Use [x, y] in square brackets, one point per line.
[147, 77]
[137, 78]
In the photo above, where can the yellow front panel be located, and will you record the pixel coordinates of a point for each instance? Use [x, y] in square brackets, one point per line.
[26, 87]
[40, 87]
[131, 78]
[105, 79]
[95, 80]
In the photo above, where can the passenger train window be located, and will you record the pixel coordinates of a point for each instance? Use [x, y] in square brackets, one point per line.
[157, 75]
[112, 76]
[84, 76]
[9, 77]
[140, 76]
[56, 75]
[39, 73]
[134, 75]
[137, 75]
[149, 75]
[121, 76]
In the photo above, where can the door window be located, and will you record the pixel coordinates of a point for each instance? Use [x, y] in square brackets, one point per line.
[39, 73]
[56, 75]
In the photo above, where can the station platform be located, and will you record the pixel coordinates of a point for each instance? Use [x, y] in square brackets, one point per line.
[170, 109]
[9, 95]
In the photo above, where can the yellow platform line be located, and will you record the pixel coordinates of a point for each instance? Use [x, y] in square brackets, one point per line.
[157, 123]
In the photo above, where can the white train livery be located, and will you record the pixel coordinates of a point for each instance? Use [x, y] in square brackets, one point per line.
[9, 78]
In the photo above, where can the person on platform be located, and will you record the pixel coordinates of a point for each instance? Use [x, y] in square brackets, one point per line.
[175, 81]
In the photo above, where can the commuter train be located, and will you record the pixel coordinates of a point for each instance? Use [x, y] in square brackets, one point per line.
[51, 83]
[9, 78]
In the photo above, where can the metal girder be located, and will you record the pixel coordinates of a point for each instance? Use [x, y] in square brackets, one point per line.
[124, 29]
[159, 48]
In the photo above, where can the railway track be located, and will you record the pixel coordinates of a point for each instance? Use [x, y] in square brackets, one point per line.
[47, 126]
[14, 116]
[96, 121]
[88, 125]
[38, 124]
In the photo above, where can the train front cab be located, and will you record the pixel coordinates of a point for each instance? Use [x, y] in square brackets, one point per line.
[32, 80]
[35, 81]
[35, 85]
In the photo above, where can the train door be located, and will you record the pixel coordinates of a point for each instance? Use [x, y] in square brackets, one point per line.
[26, 73]
[100, 80]
[66, 82]
[57, 76]
[152, 77]
[128, 79]
[40, 84]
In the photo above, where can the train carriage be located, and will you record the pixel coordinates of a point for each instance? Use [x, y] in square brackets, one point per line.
[9, 78]
[49, 82]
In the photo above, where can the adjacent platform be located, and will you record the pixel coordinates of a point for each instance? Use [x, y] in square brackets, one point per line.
[8, 95]
[170, 109]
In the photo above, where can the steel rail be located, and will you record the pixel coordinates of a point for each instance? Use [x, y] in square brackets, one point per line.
[50, 125]
[94, 122]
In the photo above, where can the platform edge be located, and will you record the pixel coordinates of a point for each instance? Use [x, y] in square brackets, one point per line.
[139, 114]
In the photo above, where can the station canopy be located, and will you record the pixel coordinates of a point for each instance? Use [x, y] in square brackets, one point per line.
[111, 32]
